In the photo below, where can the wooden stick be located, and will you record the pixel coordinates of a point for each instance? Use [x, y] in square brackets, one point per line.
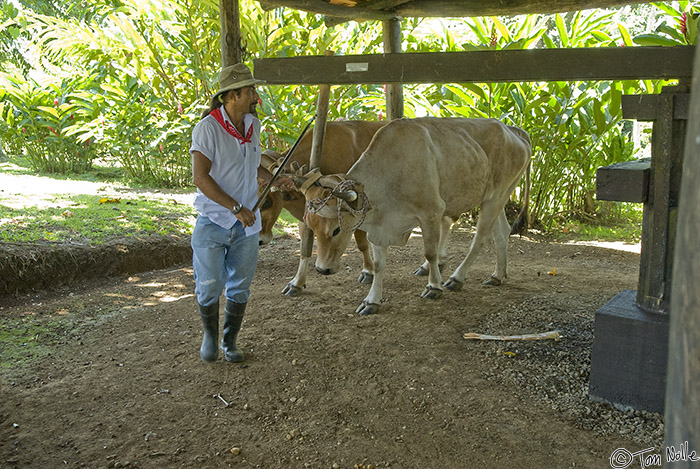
[554, 335]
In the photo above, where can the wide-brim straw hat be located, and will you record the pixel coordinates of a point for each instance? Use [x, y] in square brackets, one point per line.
[234, 77]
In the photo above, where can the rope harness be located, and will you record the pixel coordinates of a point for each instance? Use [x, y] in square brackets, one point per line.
[315, 205]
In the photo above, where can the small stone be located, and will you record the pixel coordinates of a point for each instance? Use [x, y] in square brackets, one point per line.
[235, 450]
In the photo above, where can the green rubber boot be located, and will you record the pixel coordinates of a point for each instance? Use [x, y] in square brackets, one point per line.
[233, 318]
[210, 323]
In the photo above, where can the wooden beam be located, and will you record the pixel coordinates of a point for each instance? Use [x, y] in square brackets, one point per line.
[384, 4]
[624, 182]
[469, 8]
[324, 8]
[231, 51]
[645, 107]
[443, 8]
[609, 63]
[682, 416]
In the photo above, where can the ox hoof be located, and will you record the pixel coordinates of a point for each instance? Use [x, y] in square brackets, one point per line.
[291, 290]
[423, 272]
[367, 308]
[492, 281]
[365, 277]
[431, 293]
[453, 284]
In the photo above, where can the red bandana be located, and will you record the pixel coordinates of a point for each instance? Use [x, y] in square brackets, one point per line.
[216, 113]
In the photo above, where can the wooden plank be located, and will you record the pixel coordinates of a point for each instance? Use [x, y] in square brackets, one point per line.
[624, 182]
[682, 416]
[231, 51]
[610, 63]
[644, 107]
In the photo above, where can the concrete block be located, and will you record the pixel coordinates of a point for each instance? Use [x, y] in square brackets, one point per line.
[628, 358]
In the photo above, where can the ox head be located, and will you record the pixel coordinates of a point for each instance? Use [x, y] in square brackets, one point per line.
[332, 227]
[276, 199]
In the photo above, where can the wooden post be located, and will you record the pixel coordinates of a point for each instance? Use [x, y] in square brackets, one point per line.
[660, 210]
[324, 92]
[231, 49]
[394, 91]
[682, 415]
[629, 356]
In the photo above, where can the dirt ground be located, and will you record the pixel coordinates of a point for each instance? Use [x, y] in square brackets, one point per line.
[114, 377]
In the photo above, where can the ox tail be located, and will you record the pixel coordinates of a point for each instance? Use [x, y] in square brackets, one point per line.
[522, 223]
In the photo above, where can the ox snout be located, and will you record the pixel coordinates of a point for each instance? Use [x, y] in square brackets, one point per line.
[265, 238]
[324, 271]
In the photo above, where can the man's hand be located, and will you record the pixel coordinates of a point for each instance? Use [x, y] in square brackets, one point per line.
[246, 217]
[284, 183]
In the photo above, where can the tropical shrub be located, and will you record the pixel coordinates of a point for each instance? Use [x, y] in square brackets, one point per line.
[51, 123]
[140, 73]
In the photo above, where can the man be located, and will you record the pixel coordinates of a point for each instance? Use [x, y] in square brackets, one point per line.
[225, 166]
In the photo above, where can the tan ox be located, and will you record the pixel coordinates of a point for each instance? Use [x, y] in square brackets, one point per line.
[425, 172]
[343, 144]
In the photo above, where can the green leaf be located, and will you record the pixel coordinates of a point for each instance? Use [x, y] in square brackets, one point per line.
[561, 27]
[602, 36]
[626, 39]
[49, 110]
[666, 8]
[654, 40]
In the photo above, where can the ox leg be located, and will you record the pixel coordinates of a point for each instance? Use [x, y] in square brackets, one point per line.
[446, 224]
[370, 304]
[500, 232]
[367, 274]
[490, 212]
[298, 283]
[432, 237]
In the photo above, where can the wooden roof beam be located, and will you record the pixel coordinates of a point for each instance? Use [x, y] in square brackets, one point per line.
[384, 4]
[469, 8]
[329, 9]
[602, 63]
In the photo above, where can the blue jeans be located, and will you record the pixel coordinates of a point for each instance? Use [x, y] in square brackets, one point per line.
[222, 258]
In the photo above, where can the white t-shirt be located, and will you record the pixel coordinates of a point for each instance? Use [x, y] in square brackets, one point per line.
[234, 167]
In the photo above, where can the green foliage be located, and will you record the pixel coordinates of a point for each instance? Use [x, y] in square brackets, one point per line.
[52, 124]
[138, 73]
[683, 32]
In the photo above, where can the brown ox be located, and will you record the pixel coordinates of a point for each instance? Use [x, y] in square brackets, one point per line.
[343, 144]
[425, 172]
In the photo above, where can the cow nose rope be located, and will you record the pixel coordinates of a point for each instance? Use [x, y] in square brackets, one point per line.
[315, 205]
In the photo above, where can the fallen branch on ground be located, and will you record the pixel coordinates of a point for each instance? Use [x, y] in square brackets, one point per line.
[554, 335]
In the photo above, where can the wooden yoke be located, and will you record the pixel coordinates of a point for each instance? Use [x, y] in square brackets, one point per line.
[324, 92]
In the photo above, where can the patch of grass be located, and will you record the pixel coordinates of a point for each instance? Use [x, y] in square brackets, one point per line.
[101, 171]
[23, 341]
[93, 219]
[286, 224]
[616, 221]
